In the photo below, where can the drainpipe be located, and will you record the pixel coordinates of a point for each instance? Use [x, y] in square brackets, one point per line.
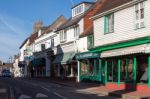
[78, 77]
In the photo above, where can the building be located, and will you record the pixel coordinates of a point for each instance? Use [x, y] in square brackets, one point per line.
[17, 70]
[44, 46]
[68, 34]
[88, 62]
[121, 37]
[23, 57]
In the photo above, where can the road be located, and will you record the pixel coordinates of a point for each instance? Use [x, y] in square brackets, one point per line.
[32, 89]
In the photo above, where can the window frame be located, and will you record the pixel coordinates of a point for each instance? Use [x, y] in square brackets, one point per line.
[140, 21]
[63, 36]
[109, 28]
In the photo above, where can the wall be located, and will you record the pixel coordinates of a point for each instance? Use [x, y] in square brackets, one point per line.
[124, 27]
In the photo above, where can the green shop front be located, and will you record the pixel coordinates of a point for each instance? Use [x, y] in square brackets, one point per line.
[126, 64]
[89, 67]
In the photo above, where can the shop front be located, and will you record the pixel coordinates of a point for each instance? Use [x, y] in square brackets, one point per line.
[89, 67]
[38, 67]
[126, 67]
[64, 65]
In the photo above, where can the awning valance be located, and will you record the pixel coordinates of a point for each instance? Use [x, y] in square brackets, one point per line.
[125, 51]
[64, 58]
[87, 55]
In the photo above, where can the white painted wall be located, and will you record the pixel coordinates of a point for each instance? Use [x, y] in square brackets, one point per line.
[75, 44]
[45, 39]
[124, 28]
[24, 47]
[81, 25]
[82, 44]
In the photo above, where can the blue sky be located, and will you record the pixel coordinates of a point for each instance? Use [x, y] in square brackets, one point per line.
[18, 16]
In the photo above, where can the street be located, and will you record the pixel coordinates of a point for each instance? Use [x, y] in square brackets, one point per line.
[32, 89]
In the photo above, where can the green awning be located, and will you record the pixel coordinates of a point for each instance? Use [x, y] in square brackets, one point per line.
[38, 62]
[64, 58]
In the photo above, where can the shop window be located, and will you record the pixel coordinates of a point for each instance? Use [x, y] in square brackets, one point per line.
[130, 67]
[91, 67]
[97, 66]
[109, 70]
[142, 69]
[84, 67]
[112, 70]
[115, 71]
[123, 70]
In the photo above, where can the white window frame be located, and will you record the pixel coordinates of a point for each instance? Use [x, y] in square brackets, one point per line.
[77, 10]
[63, 36]
[76, 32]
[139, 21]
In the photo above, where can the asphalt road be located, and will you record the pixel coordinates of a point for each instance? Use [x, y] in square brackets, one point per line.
[31, 89]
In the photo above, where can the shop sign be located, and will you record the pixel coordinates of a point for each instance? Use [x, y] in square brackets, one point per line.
[87, 55]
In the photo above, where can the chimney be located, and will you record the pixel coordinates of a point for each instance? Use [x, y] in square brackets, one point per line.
[37, 26]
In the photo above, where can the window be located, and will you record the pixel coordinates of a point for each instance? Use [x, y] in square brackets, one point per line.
[63, 36]
[109, 23]
[77, 10]
[42, 47]
[90, 41]
[52, 42]
[76, 32]
[139, 15]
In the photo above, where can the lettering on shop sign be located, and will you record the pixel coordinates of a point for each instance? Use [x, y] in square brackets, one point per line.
[87, 55]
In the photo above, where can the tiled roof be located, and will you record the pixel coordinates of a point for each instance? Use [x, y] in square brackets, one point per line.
[70, 22]
[33, 37]
[7, 65]
[110, 4]
[57, 23]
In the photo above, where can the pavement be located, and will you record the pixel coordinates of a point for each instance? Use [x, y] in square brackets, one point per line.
[98, 89]
[21, 88]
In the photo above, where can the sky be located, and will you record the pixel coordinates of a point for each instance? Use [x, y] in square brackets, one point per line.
[18, 16]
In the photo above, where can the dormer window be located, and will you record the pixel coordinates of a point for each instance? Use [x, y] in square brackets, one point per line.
[81, 8]
[77, 10]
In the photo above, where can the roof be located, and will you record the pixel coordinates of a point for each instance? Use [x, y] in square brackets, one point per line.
[94, 9]
[110, 4]
[82, 3]
[23, 43]
[73, 21]
[70, 22]
[7, 65]
[33, 37]
[87, 32]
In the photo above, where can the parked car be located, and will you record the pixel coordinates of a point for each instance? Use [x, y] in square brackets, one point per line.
[6, 73]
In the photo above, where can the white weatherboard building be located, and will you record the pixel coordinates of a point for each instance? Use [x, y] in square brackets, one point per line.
[121, 36]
